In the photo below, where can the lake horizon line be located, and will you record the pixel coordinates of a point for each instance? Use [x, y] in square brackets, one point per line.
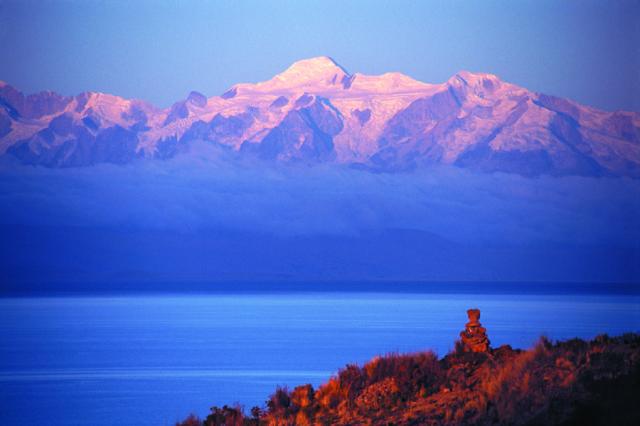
[314, 286]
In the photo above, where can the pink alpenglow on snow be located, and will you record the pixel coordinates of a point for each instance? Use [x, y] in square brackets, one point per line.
[316, 112]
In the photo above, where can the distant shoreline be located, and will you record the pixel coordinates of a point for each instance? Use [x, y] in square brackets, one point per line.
[276, 287]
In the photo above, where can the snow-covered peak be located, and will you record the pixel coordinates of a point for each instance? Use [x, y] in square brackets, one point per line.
[385, 83]
[468, 78]
[321, 68]
[315, 74]
[319, 62]
[323, 75]
[99, 99]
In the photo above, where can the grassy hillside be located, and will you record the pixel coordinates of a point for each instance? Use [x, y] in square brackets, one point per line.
[573, 382]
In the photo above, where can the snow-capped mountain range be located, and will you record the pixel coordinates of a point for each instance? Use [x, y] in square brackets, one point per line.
[316, 111]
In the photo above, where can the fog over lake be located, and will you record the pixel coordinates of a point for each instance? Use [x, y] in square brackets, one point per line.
[235, 219]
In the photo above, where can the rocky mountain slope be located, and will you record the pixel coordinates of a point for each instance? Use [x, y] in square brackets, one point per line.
[317, 112]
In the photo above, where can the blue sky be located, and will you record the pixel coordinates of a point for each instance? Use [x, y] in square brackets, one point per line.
[160, 50]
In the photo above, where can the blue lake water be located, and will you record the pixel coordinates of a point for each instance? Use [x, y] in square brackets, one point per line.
[153, 359]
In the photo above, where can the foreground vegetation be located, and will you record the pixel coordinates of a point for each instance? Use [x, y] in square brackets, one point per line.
[574, 382]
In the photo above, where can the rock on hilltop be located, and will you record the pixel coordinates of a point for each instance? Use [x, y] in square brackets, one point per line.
[574, 382]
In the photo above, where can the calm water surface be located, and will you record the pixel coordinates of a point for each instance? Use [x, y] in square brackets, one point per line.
[151, 360]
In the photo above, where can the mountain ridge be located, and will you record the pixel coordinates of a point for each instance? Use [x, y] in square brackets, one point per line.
[316, 112]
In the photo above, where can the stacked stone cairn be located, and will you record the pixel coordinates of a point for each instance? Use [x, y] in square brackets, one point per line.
[474, 337]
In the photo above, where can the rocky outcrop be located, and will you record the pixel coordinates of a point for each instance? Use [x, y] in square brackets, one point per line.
[474, 337]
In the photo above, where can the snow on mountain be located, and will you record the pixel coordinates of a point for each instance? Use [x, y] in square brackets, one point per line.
[316, 111]
[314, 75]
